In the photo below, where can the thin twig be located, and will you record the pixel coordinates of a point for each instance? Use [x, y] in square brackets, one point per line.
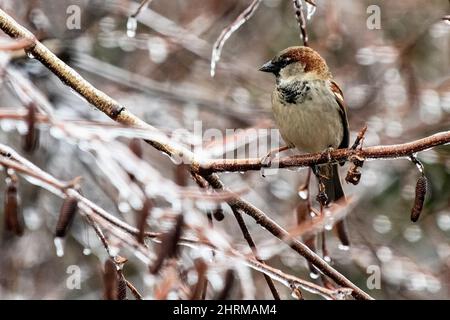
[301, 21]
[359, 138]
[133, 290]
[99, 234]
[228, 31]
[252, 245]
[142, 5]
[15, 45]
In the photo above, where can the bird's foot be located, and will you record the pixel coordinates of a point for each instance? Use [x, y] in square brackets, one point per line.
[327, 153]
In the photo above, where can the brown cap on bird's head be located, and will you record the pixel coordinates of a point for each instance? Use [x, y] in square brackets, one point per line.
[307, 57]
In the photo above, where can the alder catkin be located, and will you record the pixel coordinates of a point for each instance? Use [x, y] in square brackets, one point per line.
[169, 244]
[13, 217]
[228, 285]
[110, 281]
[198, 290]
[31, 139]
[66, 216]
[421, 190]
[142, 219]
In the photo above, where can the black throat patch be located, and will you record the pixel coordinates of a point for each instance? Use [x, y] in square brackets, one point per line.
[294, 92]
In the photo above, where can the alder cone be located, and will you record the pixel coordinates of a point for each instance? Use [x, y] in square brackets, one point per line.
[13, 216]
[421, 191]
[110, 281]
[66, 216]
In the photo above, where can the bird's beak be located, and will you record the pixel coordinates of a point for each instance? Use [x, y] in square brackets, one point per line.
[269, 67]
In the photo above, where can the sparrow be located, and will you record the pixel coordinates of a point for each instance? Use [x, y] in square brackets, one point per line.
[309, 110]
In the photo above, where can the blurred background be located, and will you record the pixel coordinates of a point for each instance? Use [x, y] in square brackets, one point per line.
[395, 79]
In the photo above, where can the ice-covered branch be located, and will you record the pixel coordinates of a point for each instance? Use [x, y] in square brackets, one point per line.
[403, 150]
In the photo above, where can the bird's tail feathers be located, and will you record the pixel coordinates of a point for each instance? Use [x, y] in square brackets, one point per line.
[329, 175]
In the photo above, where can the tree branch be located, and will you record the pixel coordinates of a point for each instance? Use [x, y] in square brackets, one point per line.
[301, 21]
[306, 160]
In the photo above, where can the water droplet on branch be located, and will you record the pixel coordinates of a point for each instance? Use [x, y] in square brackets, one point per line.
[303, 194]
[131, 27]
[59, 245]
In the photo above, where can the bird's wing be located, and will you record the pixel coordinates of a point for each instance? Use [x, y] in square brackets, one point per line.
[340, 226]
[343, 112]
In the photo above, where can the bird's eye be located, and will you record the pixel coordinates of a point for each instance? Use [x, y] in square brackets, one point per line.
[285, 61]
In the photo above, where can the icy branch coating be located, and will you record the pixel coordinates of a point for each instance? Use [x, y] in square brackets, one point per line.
[228, 31]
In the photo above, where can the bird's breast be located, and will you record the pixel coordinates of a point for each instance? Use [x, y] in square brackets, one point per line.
[307, 116]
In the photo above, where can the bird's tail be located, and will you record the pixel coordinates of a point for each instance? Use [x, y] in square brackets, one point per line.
[333, 189]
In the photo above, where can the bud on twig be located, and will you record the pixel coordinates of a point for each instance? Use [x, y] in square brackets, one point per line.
[296, 293]
[353, 174]
[359, 138]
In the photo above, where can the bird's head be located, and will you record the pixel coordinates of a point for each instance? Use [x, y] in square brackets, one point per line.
[297, 62]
